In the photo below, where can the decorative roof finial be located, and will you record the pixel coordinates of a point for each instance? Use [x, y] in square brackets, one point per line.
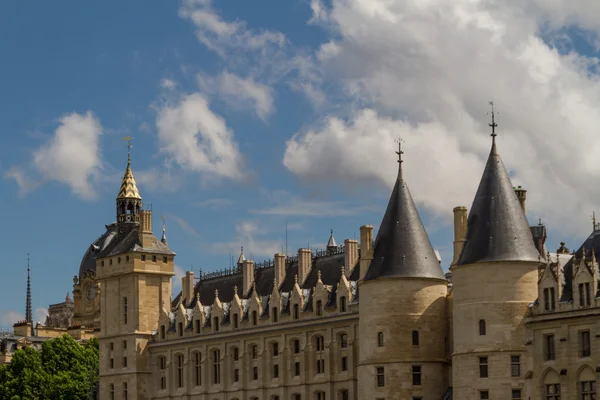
[235, 290]
[28, 315]
[318, 275]
[343, 270]
[399, 153]
[129, 146]
[216, 293]
[493, 125]
[164, 230]
[594, 225]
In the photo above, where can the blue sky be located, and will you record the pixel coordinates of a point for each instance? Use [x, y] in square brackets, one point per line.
[247, 115]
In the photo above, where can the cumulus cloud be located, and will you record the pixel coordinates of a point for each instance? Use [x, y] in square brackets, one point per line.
[72, 157]
[426, 70]
[238, 92]
[168, 84]
[8, 318]
[197, 139]
[176, 280]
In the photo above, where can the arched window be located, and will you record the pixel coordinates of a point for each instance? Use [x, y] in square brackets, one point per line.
[216, 359]
[197, 357]
[482, 327]
[415, 338]
[587, 384]
[180, 328]
[551, 386]
[162, 331]
[296, 311]
[236, 353]
[162, 366]
[254, 318]
[344, 395]
[179, 363]
[319, 395]
[343, 304]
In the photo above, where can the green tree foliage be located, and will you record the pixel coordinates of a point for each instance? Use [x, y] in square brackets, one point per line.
[63, 370]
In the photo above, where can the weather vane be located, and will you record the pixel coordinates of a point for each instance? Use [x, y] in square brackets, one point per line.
[493, 125]
[594, 220]
[128, 139]
[399, 141]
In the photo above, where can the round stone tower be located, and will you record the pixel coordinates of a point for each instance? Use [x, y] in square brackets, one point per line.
[402, 308]
[494, 281]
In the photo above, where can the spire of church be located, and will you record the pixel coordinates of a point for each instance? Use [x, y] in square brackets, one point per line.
[241, 258]
[128, 188]
[163, 239]
[497, 229]
[402, 247]
[28, 315]
[331, 244]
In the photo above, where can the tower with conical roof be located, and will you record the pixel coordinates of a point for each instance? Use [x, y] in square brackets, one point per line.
[129, 201]
[494, 281]
[331, 244]
[402, 308]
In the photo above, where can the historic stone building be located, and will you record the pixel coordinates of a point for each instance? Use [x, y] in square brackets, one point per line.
[369, 319]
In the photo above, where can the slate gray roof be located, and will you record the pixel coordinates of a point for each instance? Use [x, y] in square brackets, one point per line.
[402, 247]
[112, 244]
[591, 245]
[497, 229]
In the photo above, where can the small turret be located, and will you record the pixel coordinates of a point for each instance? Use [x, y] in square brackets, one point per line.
[331, 244]
[129, 201]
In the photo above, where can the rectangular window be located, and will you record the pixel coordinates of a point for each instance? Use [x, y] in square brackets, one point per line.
[482, 327]
[379, 339]
[547, 299]
[236, 375]
[255, 373]
[483, 367]
[165, 260]
[275, 349]
[343, 304]
[153, 259]
[484, 395]
[380, 377]
[235, 321]
[118, 260]
[275, 371]
[344, 395]
[197, 368]
[549, 347]
[110, 262]
[112, 391]
[343, 340]
[124, 390]
[296, 311]
[588, 295]
[124, 362]
[320, 366]
[552, 300]
[275, 314]
[319, 308]
[344, 366]
[584, 343]
[297, 368]
[588, 390]
[112, 363]
[216, 355]
[127, 258]
[143, 257]
[516, 394]
[552, 392]
[296, 346]
[124, 344]
[236, 354]
[197, 326]
[416, 375]
[125, 310]
[515, 366]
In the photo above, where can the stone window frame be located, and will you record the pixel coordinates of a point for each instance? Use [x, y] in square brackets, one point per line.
[215, 356]
[179, 369]
[197, 367]
[161, 362]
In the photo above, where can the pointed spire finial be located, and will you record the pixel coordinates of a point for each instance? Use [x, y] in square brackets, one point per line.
[493, 125]
[343, 270]
[28, 316]
[216, 293]
[594, 224]
[128, 139]
[164, 231]
[318, 275]
[235, 290]
[295, 278]
[400, 153]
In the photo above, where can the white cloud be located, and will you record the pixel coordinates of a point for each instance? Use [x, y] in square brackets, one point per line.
[9, 318]
[288, 204]
[238, 92]
[183, 224]
[197, 139]
[168, 84]
[425, 70]
[39, 315]
[176, 280]
[72, 157]
[251, 236]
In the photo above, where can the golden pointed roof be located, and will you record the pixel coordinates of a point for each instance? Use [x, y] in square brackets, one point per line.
[129, 188]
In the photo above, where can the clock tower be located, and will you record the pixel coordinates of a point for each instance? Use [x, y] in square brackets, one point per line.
[129, 201]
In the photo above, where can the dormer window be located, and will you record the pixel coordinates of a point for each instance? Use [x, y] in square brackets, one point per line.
[549, 299]
[585, 297]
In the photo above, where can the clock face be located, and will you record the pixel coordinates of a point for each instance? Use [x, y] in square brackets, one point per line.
[90, 292]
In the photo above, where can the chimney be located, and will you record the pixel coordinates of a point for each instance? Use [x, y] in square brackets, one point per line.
[279, 268]
[460, 231]
[187, 287]
[350, 255]
[366, 248]
[522, 196]
[304, 264]
[248, 276]
[146, 228]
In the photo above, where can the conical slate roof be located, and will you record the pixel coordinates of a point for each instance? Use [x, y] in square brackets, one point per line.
[128, 188]
[497, 229]
[402, 247]
[331, 242]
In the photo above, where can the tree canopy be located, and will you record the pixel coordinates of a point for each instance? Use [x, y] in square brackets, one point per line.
[63, 369]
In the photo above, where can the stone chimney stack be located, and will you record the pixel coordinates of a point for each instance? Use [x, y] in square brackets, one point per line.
[187, 287]
[460, 231]
[279, 268]
[366, 248]
[304, 264]
[522, 196]
[146, 228]
[248, 276]
[350, 255]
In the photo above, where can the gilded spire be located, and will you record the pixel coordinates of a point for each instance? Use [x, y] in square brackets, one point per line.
[128, 188]
[28, 316]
